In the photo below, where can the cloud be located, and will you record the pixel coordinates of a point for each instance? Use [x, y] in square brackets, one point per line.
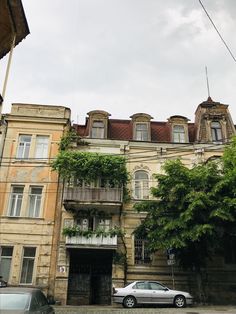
[124, 56]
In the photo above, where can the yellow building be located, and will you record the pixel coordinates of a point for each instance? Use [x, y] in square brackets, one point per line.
[28, 193]
[87, 266]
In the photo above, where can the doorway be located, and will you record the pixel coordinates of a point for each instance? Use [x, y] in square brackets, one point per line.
[90, 277]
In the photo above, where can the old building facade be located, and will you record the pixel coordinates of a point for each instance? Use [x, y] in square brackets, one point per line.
[88, 265]
[36, 206]
[28, 190]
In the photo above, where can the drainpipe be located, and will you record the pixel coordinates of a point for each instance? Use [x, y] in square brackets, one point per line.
[13, 26]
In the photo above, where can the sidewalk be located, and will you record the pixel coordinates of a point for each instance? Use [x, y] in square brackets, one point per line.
[197, 309]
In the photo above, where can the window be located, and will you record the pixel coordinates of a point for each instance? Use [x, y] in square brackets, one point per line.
[24, 146]
[156, 286]
[98, 129]
[141, 132]
[178, 134]
[16, 201]
[141, 285]
[35, 197]
[141, 185]
[28, 265]
[5, 261]
[41, 150]
[92, 223]
[141, 254]
[104, 224]
[216, 131]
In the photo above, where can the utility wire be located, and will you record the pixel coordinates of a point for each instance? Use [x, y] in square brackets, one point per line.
[227, 47]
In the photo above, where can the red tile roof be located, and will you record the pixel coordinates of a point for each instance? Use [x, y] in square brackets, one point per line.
[119, 129]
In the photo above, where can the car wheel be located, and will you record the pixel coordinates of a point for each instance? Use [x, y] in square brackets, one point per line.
[180, 301]
[129, 301]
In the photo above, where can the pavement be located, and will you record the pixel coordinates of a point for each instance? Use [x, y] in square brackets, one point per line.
[118, 309]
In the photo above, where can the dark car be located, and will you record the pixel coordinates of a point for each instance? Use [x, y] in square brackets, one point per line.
[19, 300]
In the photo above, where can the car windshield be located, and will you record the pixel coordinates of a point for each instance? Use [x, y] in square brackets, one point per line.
[14, 301]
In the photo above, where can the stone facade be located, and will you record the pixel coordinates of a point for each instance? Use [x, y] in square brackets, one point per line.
[28, 190]
[192, 143]
[35, 205]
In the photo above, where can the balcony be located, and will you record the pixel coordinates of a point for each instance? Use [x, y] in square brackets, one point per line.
[82, 197]
[92, 242]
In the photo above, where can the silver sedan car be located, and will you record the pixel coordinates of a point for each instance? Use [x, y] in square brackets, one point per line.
[150, 292]
[19, 300]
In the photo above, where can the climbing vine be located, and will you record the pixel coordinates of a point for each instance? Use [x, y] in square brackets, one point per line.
[89, 167]
[68, 138]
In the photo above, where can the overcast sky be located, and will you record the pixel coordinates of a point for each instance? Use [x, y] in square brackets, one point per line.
[124, 57]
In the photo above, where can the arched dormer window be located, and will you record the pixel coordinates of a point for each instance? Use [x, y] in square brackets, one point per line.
[178, 134]
[98, 129]
[141, 126]
[98, 124]
[216, 131]
[141, 185]
[141, 132]
[179, 129]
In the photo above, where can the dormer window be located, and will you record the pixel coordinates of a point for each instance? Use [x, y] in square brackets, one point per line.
[179, 129]
[141, 132]
[141, 126]
[98, 129]
[216, 131]
[98, 124]
[178, 134]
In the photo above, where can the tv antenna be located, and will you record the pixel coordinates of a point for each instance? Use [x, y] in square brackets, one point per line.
[208, 89]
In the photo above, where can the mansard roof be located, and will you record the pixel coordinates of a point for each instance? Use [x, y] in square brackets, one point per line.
[119, 129]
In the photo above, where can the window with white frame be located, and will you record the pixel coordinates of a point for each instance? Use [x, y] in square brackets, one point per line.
[104, 224]
[5, 261]
[41, 149]
[23, 146]
[15, 204]
[141, 254]
[35, 197]
[92, 223]
[178, 134]
[216, 131]
[141, 132]
[28, 265]
[98, 129]
[141, 185]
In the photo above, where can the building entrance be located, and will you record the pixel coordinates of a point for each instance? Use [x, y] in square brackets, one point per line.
[90, 277]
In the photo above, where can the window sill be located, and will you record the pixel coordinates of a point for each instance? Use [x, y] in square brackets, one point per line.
[23, 217]
[31, 160]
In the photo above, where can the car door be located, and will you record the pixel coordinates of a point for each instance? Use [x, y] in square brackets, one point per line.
[141, 292]
[159, 293]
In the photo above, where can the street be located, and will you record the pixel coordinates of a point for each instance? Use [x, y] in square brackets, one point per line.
[117, 309]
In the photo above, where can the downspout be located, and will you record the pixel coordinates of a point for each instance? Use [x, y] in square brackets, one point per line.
[10, 54]
[123, 239]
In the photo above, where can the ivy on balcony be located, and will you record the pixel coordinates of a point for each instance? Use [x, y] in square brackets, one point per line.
[89, 167]
[77, 231]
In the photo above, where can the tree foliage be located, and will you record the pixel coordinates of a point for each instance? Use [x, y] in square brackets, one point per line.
[195, 209]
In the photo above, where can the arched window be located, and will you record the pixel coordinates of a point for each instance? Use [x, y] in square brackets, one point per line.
[216, 131]
[141, 185]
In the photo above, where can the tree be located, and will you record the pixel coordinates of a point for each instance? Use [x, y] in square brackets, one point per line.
[194, 212]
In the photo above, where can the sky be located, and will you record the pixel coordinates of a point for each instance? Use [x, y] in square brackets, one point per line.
[124, 57]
